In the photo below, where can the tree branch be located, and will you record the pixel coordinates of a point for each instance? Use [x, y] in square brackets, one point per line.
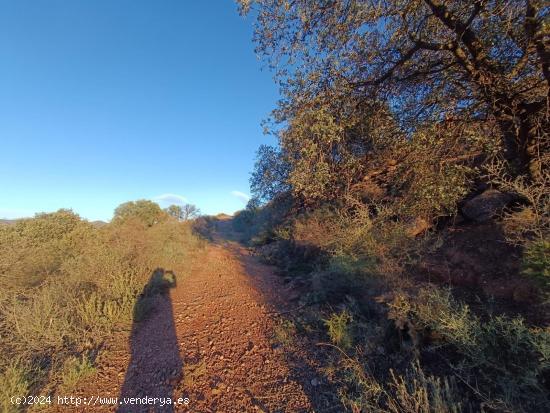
[461, 29]
[407, 56]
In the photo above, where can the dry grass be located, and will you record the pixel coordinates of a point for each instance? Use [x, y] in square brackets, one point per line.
[68, 285]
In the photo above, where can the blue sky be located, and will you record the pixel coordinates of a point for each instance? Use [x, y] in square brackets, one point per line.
[105, 101]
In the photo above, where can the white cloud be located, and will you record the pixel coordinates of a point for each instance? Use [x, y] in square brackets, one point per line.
[241, 195]
[170, 199]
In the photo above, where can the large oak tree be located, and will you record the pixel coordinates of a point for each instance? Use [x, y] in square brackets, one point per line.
[452, 62]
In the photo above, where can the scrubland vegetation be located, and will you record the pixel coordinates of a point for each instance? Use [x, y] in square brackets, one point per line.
[68, 285]
[407, 198]
[407, 202]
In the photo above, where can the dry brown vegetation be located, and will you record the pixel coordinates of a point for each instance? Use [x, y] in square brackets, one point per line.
[67, 285]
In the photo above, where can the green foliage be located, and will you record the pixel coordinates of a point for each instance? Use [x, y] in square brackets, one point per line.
[260, 223]
[145, 211]
[325, 151]
[311, 141]
[427, 61]
[345, 264]
[498, 364]
[437, 310]
[339, 327]
[384, 127]
[175, 211]
[532, 221]
[46, 226]
[74, 369]
[270, 175]
[359, 390]
[536, 262]
[99, 313]
[508, 358]
[34, 248]
[40, 321]
[13, 382]
[430, 180]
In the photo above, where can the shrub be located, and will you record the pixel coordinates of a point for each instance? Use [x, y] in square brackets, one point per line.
[203, 226]
[536, 262]
[98, 314]
[42, 321]
[68, 285]
[436, 310]
[33, 249]
[508, 358]
[359, 390]
[340, 329]
[417, 392]
[532, 220]
[316, 230]
[13, 382]
[262, 224]
[75, 369]
[429, 182]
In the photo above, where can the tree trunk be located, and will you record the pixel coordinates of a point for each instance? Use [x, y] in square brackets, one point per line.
[525, 128]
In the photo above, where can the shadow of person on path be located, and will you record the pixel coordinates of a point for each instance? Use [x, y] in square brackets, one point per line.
[155, 366]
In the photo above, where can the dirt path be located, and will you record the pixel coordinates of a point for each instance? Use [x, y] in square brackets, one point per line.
[210, 341]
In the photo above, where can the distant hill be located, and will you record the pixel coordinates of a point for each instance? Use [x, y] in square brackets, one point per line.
[98, 223]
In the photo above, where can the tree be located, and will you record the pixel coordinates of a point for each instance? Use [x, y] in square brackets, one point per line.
[270, 174]
[175, 211]
[322, 149]
[144, 210]
[190, 211]
[453, 62]
[183, 213]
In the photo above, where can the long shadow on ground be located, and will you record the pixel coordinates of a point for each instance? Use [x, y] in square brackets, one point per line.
[155, 365]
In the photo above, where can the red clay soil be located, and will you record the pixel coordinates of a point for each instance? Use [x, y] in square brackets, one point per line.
[208, 342]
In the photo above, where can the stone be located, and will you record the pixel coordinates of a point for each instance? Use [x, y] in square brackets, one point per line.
[486, 205]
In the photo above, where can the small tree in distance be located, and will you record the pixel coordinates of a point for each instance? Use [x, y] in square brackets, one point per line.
[174, 211]
[183, 213]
